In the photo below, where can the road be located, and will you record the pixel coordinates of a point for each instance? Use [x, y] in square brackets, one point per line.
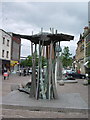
[67, 88]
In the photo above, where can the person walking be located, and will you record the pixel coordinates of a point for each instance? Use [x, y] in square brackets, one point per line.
[5, 74]
[24, 72]
[20, 72]
[28, 71]
[8, 71]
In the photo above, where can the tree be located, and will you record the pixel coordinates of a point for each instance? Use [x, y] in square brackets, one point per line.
[44, 62]
[65, 57]
[28, 61]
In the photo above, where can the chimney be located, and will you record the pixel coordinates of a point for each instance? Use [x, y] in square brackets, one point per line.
[85, 30]
[56, 31]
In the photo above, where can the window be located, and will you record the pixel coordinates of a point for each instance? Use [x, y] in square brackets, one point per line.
[7, 42]
[82, 48]
[88, 39]
[2, 53]
[7, 54]
[3, 40]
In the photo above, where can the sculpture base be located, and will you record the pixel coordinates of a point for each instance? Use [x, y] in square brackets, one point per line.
[66, 102]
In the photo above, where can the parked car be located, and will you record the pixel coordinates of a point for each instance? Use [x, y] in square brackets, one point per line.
[30, 71]
[69, 77]
[75, 75]
[65, 71]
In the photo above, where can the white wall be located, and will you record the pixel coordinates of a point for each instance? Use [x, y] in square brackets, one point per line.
[4, 46]
[0, 44]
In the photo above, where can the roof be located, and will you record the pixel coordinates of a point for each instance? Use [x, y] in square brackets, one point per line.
[46, 38]
[5, 32]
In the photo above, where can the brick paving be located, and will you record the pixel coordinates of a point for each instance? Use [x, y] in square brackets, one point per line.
[8, 113]
[67, 88]
[14, 79]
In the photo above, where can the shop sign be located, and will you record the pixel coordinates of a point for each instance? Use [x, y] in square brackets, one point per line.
[13, 63]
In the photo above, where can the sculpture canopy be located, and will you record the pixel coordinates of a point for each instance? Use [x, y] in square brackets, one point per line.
[46, 38]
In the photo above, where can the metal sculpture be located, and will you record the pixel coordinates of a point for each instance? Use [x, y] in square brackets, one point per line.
[44, 87]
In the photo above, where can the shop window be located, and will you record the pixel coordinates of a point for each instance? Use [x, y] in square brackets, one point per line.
[2, 53]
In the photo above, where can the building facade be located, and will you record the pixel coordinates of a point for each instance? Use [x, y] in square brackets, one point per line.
[5, 49]
[15, 53]
[80, 55]
[83, 51]
[87, 50]
[10, 47]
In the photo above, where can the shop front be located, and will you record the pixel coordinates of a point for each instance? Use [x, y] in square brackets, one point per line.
[14, 66]
[5, 64]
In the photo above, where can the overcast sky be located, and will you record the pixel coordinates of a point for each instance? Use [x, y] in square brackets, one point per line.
[25, 17]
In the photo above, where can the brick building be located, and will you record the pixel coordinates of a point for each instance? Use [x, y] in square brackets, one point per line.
[80, 55]
[83, 51]
[87, 50]
[15, 53]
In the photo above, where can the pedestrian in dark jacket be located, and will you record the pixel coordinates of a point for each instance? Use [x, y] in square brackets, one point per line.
[24, 72]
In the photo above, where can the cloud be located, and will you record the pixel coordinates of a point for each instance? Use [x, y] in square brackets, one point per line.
[63, 16]
[89, 11]
[25, 17]
[45, 1]
[25, 48]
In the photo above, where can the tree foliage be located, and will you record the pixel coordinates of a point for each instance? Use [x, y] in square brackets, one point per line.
[28, 61]
[65, 57]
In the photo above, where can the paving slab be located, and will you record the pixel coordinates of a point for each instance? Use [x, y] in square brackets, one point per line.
[66, 102]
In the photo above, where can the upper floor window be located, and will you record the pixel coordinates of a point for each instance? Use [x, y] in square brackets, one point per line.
[7, 42]
[3, 40]
[7, 54]
[2, 53]
[82, 47]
